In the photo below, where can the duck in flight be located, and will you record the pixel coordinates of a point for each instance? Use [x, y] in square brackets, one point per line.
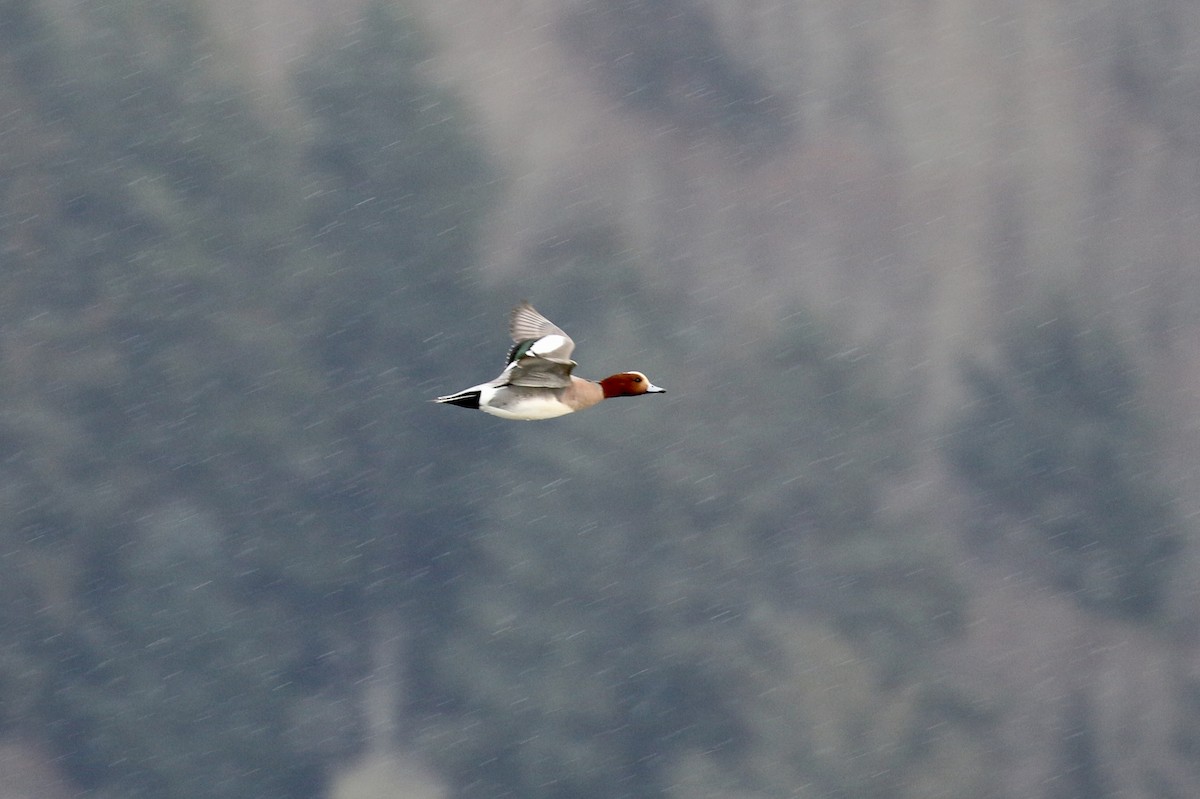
[537, 382]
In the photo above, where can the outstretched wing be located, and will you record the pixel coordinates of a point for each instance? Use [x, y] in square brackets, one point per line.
[541, 353]
[534, 334]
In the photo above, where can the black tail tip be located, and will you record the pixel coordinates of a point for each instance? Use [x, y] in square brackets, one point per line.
[463, 399]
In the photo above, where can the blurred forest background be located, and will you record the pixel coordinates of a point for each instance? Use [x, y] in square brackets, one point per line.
[915, 519]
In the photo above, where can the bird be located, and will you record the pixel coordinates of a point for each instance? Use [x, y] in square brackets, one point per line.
[537, 382]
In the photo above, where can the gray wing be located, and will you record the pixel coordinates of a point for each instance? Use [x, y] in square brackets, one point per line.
[541, 353]
[526, 324]
[536, 372]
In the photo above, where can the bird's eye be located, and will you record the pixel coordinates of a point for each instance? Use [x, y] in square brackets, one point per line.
[637, 379]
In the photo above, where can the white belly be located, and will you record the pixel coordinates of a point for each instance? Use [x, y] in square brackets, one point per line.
[495, 402]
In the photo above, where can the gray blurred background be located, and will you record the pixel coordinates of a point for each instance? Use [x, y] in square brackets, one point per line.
[916, 517]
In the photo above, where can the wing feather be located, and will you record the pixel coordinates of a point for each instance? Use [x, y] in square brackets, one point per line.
[541, 353]
[537, 372]
[526, 324]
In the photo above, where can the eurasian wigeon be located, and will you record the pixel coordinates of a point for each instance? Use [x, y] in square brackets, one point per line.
[537, 382]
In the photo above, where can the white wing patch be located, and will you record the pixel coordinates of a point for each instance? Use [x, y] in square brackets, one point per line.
[550, 345]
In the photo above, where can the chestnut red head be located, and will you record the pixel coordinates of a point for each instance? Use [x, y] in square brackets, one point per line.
[629, 384]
